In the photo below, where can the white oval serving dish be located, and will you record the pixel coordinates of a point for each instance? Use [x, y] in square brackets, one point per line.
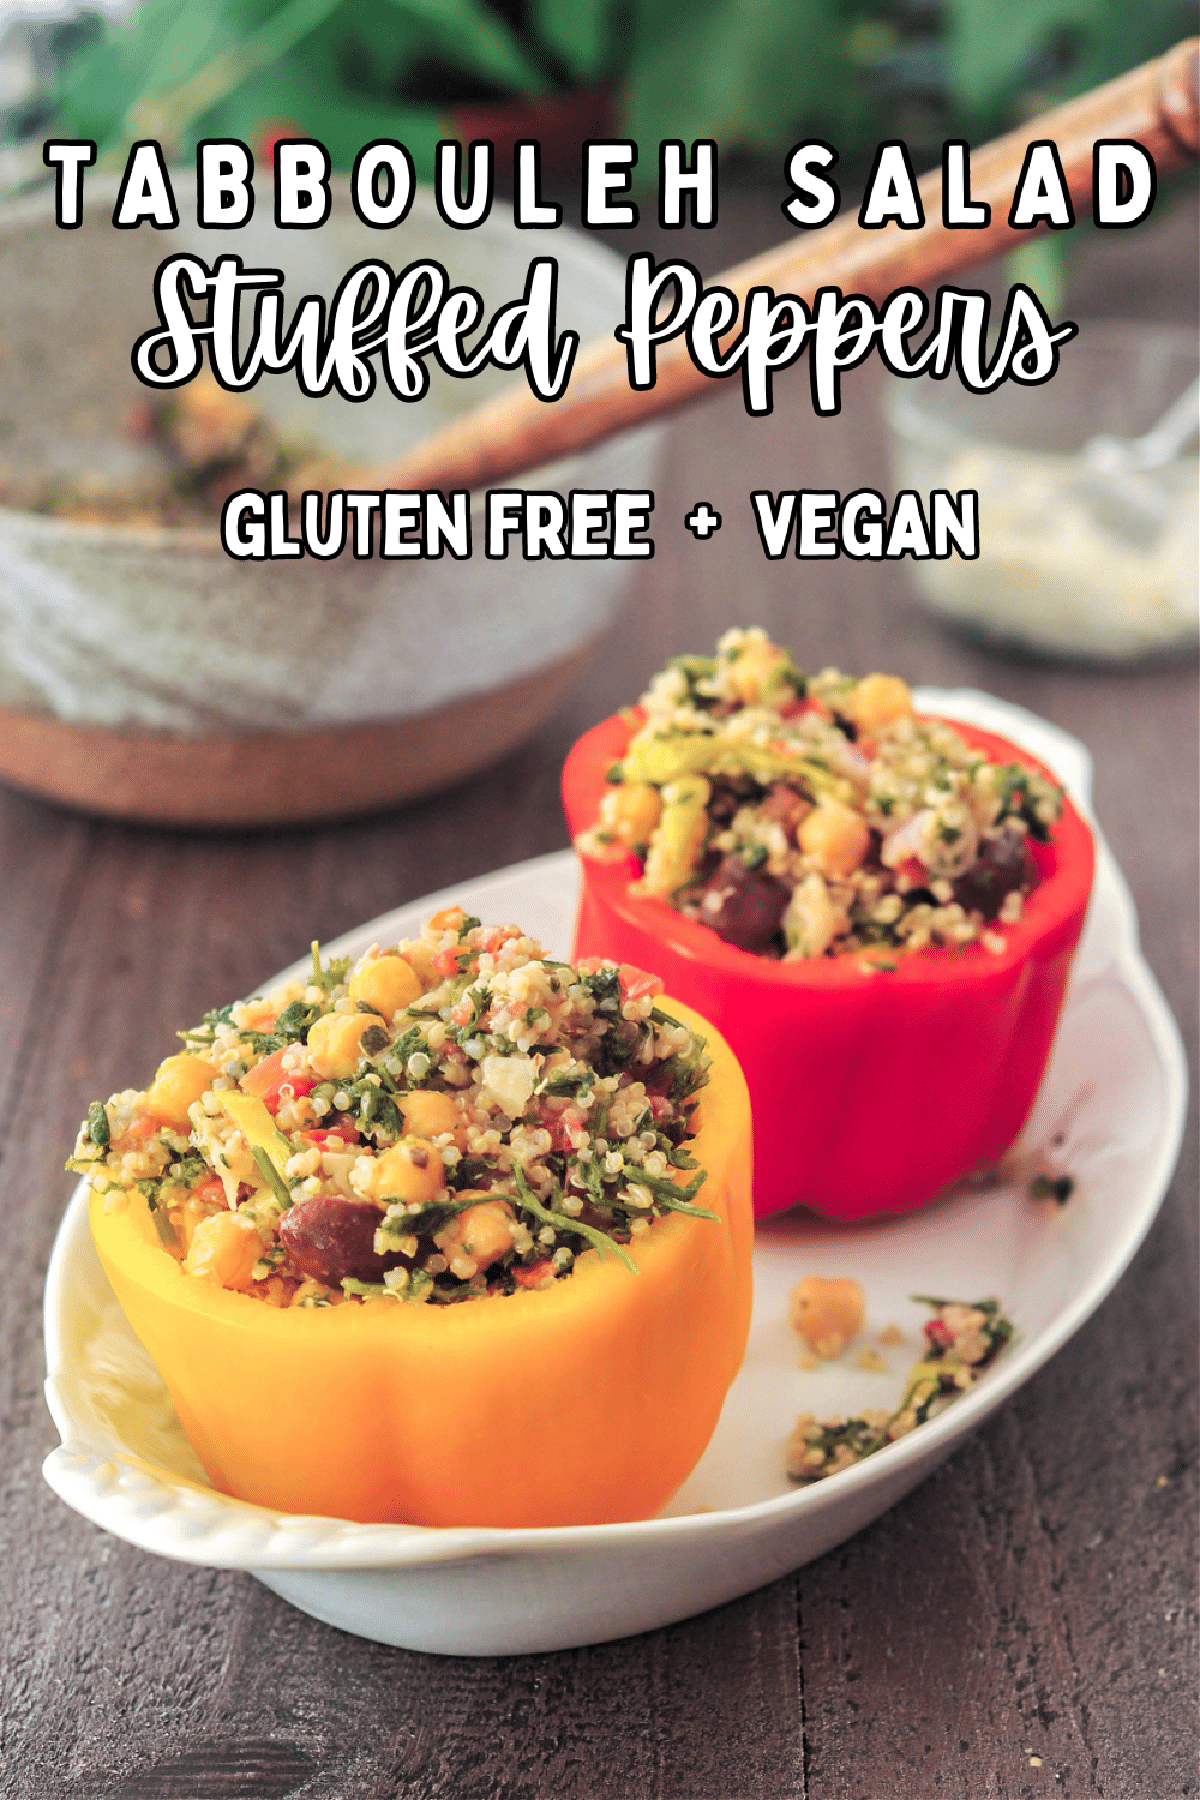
[1111, 1112]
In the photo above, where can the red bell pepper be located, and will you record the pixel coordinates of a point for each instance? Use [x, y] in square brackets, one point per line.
[872, 1092]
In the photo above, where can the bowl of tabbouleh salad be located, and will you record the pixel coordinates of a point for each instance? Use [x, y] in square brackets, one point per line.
[144, 672]
[879, 910]
[455, 1234]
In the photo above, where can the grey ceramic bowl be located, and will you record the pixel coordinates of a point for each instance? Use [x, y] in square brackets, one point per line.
[145, 673]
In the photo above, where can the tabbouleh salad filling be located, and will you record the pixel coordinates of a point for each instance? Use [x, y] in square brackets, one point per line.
[201, 443]
[458, 1117]
[962, 1340]
[808, 816]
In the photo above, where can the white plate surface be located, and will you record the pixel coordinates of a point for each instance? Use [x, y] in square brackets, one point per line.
[1111, 1112]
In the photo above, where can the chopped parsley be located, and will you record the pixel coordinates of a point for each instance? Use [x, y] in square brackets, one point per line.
[330, 975]
[963, 1339]
[1049, 1187]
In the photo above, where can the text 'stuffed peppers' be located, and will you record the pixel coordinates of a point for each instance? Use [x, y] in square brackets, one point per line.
[873, 1090]
[582, 1403]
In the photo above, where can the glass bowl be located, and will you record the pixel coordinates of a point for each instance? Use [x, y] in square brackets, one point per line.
[1073, 562]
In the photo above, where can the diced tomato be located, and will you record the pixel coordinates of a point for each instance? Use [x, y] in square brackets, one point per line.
[661, 1107]
[268, 1080]
[292, 1087]
[795, 709]
[564, 1127]
[914, 869]
[636, 983]
[461, 1014]
[258, 1079]
[330, 1136]
[494, 940]
[143, 1128]
[210, 1190]
[940, 1336]
[447, 962]
[534, 1275]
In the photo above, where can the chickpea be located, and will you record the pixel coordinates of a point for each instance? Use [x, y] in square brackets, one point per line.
[878, 700]
[387, 983]
[428, 1113]
[410, 1170]
[260, 1015]
[483, 1233]
[631, 812]
[836, 837]
[180, 1081]
[751, 676]
[827, 1313]
[192, 1214]
[333, 1043]
[224, 1250]
[419, 958]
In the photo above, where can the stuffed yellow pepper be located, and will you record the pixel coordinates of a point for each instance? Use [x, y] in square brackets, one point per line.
[457, 1235]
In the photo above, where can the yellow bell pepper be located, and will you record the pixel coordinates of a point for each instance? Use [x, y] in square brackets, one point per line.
[585, 1402]
[252, 1119]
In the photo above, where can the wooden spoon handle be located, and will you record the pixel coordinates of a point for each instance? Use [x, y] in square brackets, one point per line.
[1157, 105]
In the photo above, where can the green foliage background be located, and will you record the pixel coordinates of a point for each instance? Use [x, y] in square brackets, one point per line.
[756, 75]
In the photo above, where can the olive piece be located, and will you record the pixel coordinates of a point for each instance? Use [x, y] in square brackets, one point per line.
[374, 1039]
[744, 906]
[1003, 866]
[329, 1238]
[726, 793]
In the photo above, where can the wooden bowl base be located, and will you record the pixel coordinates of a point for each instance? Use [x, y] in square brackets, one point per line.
[272, 778]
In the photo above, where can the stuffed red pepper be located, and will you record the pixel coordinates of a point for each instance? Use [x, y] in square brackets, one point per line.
[878, 911]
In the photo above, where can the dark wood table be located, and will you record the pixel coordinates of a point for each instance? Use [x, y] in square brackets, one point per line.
[1023, 1624]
